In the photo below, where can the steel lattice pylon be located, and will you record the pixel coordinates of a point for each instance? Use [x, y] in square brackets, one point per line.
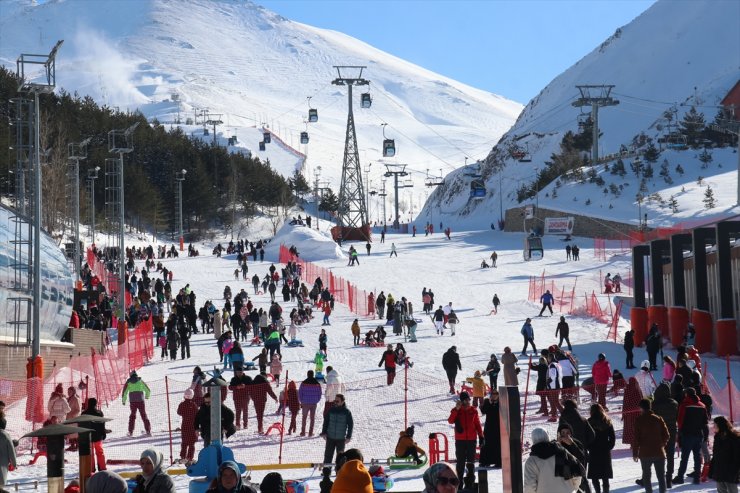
[352, 212]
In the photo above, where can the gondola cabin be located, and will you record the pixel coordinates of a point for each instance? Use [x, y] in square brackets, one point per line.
[477, 190]
[313, 115]
[266, 137]
[533, 248]
[304, 137]
[262, 146]
[365, 100]
[389, 148]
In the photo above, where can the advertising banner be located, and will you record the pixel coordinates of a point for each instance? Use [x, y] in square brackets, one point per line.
[558, 225]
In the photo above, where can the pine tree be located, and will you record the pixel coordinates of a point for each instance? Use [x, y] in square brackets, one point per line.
[709, 201]
[679, 169]
[647, 171]
[618, 168]
[651, 154]
[673, 204]
[692, 126]
[329, 201]
[706, 158]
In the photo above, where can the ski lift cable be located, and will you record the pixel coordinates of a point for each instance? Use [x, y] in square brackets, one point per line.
[715, 106]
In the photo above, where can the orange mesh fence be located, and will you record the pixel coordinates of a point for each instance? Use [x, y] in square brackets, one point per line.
[343, 291]
[725, 400]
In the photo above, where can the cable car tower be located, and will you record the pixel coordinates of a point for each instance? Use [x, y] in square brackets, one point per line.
[595, 96]
[352, 212]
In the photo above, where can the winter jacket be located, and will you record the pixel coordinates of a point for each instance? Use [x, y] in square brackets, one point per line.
[404, 443]
[692, 417]
[439, 315]
[651, 436]
[389, 359]
[74, 406]
[451, 362]
[188, 409]
[355, 329]
[276, 366]
[600, 455]
[309, 392]
[582, 430]
[629, 339]
[334, 385]
[202, 421]
[546, 298]
[527, 330]
[601, 372]
[160, 483]
[563, 329]
[338, 423]
[493, 368]
[666, 408]
[98, 429]
[479, 386]
[7, 456]
[135, 390]
[541, 369]
[541, 469]
[646, 383]
[58, 406]
[467, 423]
[239, 387]
[725, 465]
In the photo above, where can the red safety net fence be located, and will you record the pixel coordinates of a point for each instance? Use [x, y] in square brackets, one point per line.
[108, 279]
[358, 300]
[605, 248]
[564, 295]
[725, 400]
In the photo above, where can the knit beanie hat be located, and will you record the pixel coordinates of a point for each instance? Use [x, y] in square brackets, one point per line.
[106, 482]
[353, 477]
[431, 474]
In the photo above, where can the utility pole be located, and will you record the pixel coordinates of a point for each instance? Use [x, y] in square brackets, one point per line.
[367, 189]
[76, 153]
[180, 177]
[396, 170]
[317, 174]
[595, 96]
[352, 213]
[383, 194]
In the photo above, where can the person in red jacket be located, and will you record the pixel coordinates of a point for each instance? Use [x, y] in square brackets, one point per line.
[467, 428]
[188, 409]
[389, 359]
[601, 373]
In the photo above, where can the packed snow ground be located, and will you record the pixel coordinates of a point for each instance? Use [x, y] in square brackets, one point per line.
[451, 269]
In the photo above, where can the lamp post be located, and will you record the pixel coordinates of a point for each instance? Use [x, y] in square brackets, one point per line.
[316, 174]
[180, 177]
[92, 175]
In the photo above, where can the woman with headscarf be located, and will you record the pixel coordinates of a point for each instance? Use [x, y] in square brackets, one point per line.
[229, 480]
[509, 360]
[630, 409]
[152, 479]
[490, 453]
[106, 482]
[440, 478]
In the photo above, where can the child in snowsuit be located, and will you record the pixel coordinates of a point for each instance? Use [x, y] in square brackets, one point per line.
[479, 388]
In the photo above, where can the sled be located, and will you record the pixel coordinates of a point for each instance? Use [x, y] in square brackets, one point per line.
[320, 376]
[249, 366]
[372, 344]
[395, 462]
[382, 483]
[295, 343]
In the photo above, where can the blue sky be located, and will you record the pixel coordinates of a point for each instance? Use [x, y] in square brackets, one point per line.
[508, 47]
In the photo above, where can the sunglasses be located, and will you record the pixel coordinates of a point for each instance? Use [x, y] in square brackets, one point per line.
[444, 481]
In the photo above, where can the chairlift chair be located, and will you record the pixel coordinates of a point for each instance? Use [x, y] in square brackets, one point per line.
[676, 141]
[266, 137]
[365, 100]
[526, 158]
[205, 131]
[262, 145]
[304, 137]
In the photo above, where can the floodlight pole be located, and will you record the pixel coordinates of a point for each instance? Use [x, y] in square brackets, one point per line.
[92, 175]
[316, 174]
[47, 86]
[77, 152]
[384, 195]
[180, 177]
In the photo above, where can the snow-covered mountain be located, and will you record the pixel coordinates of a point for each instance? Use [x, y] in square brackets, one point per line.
[674, 55]
[254, 67]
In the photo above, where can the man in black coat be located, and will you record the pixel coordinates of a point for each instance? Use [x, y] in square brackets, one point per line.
[451, 363]
[203, 420]
[98, 433]
[667, 408]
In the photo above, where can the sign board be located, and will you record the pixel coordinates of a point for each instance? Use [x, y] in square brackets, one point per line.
[559, 225]
[528, 212]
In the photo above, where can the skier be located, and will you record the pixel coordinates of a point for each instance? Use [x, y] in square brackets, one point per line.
[528, 334]
[393, 250]
[564, 330]
[546, 300]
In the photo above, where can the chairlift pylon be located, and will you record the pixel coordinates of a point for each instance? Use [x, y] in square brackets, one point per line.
[389, 145]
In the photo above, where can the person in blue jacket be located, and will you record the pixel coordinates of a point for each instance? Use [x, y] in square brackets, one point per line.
[309, 395]
[546, 300]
